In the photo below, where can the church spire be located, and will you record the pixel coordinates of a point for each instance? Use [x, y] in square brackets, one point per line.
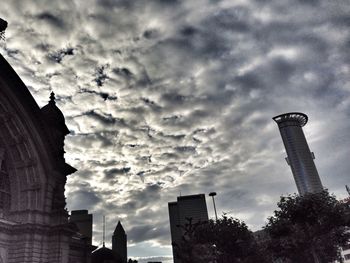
[119, 229]
[119, 242]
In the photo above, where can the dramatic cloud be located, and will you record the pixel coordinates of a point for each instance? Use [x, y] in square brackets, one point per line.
[169, 97]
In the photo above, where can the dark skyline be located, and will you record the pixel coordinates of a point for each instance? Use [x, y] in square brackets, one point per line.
[163, 97]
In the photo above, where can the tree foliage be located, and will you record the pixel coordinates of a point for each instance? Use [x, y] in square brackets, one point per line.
[308, 228]
[226, 240]
[189, 249]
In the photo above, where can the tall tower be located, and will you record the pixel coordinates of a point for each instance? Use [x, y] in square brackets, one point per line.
[300, 159]
[190, 206]
[119, 242]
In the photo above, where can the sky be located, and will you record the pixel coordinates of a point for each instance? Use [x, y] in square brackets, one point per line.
[164, 97]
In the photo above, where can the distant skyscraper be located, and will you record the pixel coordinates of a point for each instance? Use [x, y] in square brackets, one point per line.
[299, 157]
[83, 221]
[119, 245]
[190, 206]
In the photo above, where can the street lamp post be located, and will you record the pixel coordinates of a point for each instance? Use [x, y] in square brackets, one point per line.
[212, 194]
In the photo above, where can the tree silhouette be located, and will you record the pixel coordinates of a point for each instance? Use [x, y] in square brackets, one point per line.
[189, 249]
[226, 240]
[309, 228]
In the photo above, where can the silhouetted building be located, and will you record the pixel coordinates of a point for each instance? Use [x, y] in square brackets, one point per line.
[190, 206]
[118, 253]
[34, 223]
[119, 242]
[105, 255]
[83, 221]
[300, 159]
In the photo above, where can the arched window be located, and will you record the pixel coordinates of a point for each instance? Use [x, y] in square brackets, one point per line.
[4, 186]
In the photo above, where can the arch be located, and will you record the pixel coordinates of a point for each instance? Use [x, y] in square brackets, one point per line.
[5, 194]
[23, 168]
[33, 177]
[32, 169]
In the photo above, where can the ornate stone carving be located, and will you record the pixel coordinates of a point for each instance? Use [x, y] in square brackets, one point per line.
[32, 177]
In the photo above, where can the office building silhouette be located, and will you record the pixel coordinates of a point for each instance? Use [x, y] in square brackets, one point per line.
[190, 206]
[83, 220]
[300, 159]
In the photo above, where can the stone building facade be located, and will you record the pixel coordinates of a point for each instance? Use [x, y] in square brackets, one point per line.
[34, 223]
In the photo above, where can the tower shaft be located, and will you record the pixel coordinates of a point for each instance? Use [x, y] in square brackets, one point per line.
[300, 159]
[119, 243]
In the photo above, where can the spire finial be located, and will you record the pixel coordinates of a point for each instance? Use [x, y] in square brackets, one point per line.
[52, 98]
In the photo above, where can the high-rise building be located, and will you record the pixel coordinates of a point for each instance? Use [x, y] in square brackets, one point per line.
[300, 159]
[190, 206]
[83, 220]
[119, 242]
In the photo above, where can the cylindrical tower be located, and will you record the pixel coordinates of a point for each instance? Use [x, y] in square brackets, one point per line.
[299, 157]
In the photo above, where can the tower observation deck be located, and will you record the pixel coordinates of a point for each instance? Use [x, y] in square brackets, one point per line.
[300, 159]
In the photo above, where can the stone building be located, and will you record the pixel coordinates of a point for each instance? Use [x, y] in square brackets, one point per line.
[34, 223]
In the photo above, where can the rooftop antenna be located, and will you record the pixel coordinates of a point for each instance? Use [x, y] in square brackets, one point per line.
[3, 26]
[104, 230]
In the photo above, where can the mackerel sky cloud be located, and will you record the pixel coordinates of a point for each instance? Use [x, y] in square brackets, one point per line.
[170, 96]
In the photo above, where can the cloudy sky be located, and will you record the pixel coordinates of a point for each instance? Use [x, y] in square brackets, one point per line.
[170, 96]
